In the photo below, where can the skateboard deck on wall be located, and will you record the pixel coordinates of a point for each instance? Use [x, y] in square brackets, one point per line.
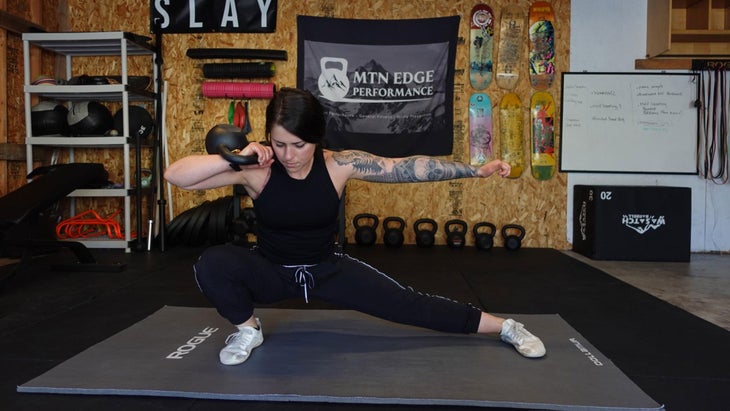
[542, 45]
[542, 156]
[511, 37]
[511, 133]
[480, 129]
[481, 48]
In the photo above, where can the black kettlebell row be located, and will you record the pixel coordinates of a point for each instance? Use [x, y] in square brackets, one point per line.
[425, 229]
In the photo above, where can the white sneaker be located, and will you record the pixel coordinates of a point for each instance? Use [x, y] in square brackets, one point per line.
[525, 343]
[240, 344]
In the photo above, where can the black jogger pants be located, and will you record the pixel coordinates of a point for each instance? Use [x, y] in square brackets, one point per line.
[234, 278]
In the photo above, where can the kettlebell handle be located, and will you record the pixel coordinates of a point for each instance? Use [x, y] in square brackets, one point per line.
[400, 221]
[517, 227]
[357, 218]
[492, 228]
[455, 222]
[234, 158]
[222, 139]
[420, 221]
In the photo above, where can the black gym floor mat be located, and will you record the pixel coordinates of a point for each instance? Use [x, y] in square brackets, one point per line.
[47, 317]
[345, 357]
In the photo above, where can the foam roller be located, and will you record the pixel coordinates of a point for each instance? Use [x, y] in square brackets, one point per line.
[214, 53]
[238, 70]
[238, 90]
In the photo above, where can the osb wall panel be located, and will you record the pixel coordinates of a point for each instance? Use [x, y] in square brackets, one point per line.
[15, 171]
[15, 119]
[537, 205]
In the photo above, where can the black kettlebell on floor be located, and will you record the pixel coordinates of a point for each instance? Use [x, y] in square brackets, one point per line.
[484, 239]
[225, 140]
[425, 237]
[393, 235]
[513, 242]
[364, 232]
[455, 233]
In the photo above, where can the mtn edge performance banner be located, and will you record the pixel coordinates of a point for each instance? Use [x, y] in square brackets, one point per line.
[386, 85]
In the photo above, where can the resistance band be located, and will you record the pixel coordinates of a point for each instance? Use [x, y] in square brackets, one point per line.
[238, 116]
[712, 145]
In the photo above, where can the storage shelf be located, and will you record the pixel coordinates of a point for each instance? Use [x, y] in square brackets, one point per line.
[688, 28]
[671, 63]
[106, 92]
[120, 45]
[106, 192]
[102, 242]
[84, 141]
[100, 192]
[100, 141]
[663, 64]
[701, 36]
[103, 43]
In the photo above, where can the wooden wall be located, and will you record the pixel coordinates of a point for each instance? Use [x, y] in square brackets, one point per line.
[537, 205]
[19, 14]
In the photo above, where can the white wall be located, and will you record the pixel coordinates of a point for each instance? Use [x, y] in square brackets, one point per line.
[607, 36]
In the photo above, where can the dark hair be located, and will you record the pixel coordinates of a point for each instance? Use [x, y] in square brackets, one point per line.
[299, 112]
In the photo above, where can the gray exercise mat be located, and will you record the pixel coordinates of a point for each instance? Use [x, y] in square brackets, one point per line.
[344, 356]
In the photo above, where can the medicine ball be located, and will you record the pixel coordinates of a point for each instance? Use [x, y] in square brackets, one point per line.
[47, 118]
[89, 118]
[44, 80]
[140, 122]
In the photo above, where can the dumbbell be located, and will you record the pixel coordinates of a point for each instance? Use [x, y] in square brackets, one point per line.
[425, 237]
[455, 233]
[513, 242]
[484, 240]
[393, 235]
[365, 233]
[224, 139]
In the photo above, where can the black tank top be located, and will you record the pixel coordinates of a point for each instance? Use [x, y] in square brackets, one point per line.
[297, 219]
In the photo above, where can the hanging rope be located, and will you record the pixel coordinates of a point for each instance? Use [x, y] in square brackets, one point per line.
[712, 144]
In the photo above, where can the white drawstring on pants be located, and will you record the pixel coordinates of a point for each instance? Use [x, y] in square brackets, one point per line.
[303, 277]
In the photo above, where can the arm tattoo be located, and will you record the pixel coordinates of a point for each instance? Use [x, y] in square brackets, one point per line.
[369, 167]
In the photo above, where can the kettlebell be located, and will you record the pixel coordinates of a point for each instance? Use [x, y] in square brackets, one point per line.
[425, 237]
[393, 235]
[484, 240]
[513, 242]
[365, 234]
[455, 233]
[226, 134]
[225, 139]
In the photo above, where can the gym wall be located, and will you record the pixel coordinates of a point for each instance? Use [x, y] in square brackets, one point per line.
[537, 205]
[20, 14]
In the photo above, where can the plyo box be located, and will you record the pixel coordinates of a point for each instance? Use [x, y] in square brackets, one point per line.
[639, 223]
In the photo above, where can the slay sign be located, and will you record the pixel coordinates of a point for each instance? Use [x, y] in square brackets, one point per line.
[213, 16]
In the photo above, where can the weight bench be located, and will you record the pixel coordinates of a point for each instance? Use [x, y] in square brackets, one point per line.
[25, 205]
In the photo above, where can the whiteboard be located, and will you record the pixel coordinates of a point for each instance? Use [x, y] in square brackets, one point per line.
[629, 123]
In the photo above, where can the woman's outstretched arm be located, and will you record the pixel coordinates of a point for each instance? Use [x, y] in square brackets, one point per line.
[369, 167]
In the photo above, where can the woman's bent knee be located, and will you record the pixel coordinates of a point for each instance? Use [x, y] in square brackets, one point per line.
[216, 261]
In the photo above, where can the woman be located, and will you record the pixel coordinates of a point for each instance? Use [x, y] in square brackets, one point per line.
[296, 188]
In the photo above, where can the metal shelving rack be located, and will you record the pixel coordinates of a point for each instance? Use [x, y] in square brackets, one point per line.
[89, 44]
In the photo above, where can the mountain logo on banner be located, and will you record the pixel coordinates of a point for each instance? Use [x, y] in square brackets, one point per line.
[371, 83]
[333, 82]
